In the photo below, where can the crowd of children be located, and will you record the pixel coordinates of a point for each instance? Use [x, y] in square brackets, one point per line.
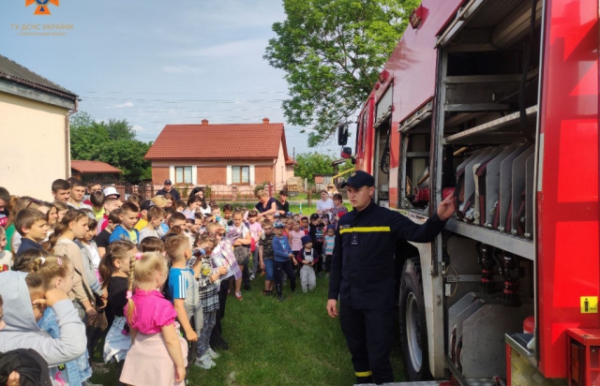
[151, 277]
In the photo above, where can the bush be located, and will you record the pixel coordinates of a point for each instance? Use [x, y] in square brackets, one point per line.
[258, 187]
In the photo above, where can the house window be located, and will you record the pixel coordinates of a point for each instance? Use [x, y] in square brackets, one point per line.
[240, 174]
[183, 175]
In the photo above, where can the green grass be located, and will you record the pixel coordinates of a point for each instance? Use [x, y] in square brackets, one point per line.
[307, 210]
[272, 343]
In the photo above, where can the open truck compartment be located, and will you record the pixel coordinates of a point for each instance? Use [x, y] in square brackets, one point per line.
[484, 123]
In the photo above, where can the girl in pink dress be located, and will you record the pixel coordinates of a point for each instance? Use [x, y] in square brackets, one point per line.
[157, 355]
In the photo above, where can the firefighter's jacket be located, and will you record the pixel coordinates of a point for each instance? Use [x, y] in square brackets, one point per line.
[362, 266]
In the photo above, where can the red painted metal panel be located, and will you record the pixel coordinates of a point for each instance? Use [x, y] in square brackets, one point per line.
[412, 69]
[568, 210]
[365, 150]
[414, 61]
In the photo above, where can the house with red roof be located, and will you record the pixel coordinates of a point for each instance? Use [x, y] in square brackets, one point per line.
[221, 155]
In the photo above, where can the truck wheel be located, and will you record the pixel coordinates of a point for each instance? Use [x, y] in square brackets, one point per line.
[413, 327]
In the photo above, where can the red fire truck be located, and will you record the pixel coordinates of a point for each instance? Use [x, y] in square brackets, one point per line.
[494, 102]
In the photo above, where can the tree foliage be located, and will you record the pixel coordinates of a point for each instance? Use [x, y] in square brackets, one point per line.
[311, 164]
[113, 142]
[332, 52]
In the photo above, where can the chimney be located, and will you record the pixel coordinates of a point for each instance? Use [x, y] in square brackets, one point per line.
[265, 121]
[204, 122]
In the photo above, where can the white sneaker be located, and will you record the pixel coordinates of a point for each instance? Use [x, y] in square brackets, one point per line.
[213, 354]
[205, 362]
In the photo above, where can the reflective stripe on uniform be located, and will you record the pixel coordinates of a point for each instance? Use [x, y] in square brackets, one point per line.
[365, 230]
[364, 374]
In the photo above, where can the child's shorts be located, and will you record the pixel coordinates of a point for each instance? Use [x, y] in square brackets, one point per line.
[269, 269]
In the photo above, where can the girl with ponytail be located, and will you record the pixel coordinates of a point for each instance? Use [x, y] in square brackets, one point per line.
[74, 225]
[114, 270]
[40, 316]
[58, 272]
[157, 346]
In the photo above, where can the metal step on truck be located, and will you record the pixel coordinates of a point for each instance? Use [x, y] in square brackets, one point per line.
[493, 102]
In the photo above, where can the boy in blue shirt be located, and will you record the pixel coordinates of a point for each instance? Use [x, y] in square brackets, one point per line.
[182, 289]
[126, 231]
[283, 253]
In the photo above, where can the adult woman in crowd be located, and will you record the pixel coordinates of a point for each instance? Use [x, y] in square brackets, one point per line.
[267, 205]
[204, 207]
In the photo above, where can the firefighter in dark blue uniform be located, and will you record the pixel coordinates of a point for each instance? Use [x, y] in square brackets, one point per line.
[362, 274]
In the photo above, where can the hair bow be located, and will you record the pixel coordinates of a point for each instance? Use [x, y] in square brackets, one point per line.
[138, 256]
[129, 295]
[59, 261]
[43, 260]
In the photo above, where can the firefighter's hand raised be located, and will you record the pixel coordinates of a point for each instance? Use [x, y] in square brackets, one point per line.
[446, 208]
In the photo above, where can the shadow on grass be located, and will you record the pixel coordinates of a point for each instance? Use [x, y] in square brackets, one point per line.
[293, 342]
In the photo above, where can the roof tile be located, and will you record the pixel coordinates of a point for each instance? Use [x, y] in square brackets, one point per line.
[89, 167]
[218, 141]
[15, 70]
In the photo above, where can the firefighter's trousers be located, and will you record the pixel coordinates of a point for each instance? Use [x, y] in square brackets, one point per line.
[369, 334]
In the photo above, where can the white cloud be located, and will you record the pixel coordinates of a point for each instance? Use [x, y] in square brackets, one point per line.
[126, 104]
[238, 48]
[237, 13]
[138, 128]
[181, 69]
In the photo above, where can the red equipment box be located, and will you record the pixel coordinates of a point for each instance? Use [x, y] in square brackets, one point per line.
[583, 357]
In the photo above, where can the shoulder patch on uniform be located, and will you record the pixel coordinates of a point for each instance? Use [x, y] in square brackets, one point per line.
[345, 226]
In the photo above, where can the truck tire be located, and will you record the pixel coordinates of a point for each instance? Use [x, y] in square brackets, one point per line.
[413, 327]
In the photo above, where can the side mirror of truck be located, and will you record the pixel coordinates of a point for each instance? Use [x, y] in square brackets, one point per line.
[343, 134]
[346, 153]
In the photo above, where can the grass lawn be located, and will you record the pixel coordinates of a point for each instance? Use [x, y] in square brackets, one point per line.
[273, 343]
[307, 210]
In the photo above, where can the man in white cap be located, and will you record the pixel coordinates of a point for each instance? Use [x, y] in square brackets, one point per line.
[111, 192]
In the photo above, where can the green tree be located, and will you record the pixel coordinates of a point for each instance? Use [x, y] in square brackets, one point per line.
[332, 52]
[112, 142]
[310, 164]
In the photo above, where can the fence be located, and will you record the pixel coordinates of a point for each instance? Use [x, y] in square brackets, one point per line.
[125, 189]
[234, 193]
[230, 193]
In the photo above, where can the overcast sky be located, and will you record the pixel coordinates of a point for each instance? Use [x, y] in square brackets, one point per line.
[157, 62]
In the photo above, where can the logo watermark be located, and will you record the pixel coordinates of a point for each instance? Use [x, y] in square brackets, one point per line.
[55, 29]
[42, 7]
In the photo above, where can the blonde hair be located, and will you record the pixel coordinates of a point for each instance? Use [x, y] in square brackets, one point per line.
[213, 227]
[175, 246]
[142, 269]
[159, 201]
[262, 193]
[48, 268]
